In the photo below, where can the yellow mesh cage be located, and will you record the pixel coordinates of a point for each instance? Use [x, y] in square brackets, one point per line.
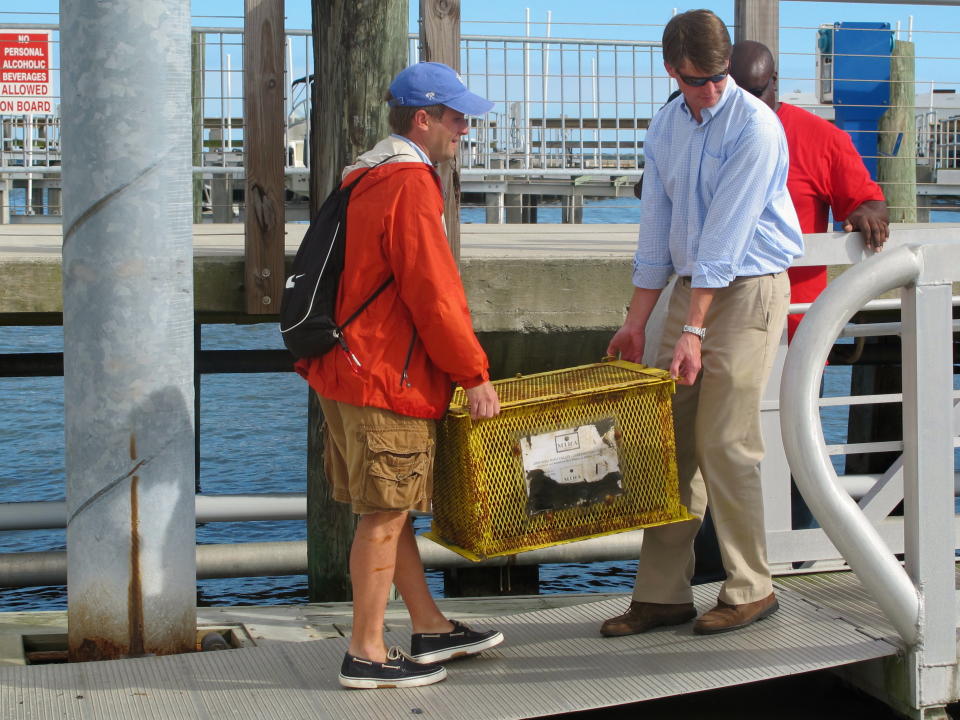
[481, 500]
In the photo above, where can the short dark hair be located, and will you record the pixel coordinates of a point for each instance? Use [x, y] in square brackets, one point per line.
[400, 117]
[700, 37]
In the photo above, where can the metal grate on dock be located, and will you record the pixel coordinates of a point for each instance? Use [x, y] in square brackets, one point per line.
[553, 661]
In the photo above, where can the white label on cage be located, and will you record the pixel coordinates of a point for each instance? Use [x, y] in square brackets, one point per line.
[571, 467]
[567, 441]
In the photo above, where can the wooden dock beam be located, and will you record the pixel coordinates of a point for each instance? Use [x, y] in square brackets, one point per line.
[440, 42]
[263, 107]
[758, 20]
[348, 117]
[897, 141]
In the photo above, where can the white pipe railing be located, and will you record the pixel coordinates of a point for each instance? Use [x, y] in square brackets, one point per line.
[841, 518]
[52, 514]
[290, 558]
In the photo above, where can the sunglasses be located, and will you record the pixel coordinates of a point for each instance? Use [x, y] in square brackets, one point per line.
[701, 81]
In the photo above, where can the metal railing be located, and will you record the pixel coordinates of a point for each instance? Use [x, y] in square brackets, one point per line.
[948, 144]
[563, 107]
[919, 599]
[938, 141]
[877, 494]
[561, 104]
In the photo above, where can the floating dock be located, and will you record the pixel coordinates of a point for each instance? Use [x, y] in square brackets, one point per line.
[553, 661]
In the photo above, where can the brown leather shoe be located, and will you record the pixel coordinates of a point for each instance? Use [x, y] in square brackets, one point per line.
[643, 616]
[725, 617]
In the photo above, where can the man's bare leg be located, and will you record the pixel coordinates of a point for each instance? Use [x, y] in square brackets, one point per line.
[411, 583]
[373, 562]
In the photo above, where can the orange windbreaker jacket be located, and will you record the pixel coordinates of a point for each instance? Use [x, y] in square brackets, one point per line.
[416, 338]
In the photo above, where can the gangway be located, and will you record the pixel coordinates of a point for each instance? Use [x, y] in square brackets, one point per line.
[553, 661]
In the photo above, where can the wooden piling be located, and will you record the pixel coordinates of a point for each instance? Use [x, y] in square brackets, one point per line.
[440, 42]
[348, 116]
[897, 166]
[897, 175]
[758, 20]
[263, 108]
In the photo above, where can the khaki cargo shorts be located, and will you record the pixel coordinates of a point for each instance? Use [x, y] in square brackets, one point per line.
[377, 460]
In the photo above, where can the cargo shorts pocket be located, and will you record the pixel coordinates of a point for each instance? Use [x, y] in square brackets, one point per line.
[398, 464]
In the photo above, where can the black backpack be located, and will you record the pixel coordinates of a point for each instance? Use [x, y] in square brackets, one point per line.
[307, 323]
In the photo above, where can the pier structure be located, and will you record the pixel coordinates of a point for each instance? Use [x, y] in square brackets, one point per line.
[532, 281]
[543, 294]
[569, 123]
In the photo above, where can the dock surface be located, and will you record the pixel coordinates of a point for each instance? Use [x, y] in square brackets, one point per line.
[553, 661]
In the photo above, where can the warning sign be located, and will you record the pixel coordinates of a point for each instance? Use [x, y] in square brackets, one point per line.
[26, 76]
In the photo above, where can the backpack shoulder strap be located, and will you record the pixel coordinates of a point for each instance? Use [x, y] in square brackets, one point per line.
[385, 283]
[362, 175]
[373, 296]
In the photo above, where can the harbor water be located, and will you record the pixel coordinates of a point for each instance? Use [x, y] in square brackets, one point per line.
[235, 409]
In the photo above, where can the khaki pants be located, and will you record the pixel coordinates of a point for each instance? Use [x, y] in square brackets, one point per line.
[377, 460]
[719, 442]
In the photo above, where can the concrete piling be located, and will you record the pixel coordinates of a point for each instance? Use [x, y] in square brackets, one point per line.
[128, 327]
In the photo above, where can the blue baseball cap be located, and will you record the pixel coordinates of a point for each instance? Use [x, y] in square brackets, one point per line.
[430, 83]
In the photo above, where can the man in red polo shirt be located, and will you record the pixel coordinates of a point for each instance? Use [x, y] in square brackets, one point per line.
[825, 172]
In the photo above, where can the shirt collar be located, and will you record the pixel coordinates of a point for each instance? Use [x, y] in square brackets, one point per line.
[411, 143]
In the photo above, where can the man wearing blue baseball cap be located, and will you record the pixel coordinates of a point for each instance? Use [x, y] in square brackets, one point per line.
[384, 389]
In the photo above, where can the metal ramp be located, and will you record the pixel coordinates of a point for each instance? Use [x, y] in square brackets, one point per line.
[553, 661]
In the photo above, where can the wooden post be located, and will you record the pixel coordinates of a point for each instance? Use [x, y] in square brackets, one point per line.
[897, 175]
[758, 20]
[348, 117]
[897, 171]
[196, 98]
[440, 42]
[263, 107]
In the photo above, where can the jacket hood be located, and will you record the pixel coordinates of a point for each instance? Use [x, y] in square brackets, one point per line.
[381, 151]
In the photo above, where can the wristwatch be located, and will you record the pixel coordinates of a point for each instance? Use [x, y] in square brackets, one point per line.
[698, 331]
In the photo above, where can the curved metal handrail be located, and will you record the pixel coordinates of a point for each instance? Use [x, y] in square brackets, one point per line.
[803, 441]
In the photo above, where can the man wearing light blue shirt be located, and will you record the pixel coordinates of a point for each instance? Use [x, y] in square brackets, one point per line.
[717, 213]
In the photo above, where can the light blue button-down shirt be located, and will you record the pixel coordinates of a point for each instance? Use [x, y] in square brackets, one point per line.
[715, 201]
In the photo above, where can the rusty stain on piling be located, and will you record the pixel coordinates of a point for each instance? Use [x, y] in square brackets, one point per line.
[93, 647]
[84, 646]
[96, 648]
[135, 590]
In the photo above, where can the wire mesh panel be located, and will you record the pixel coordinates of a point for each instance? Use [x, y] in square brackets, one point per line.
[574, 454]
